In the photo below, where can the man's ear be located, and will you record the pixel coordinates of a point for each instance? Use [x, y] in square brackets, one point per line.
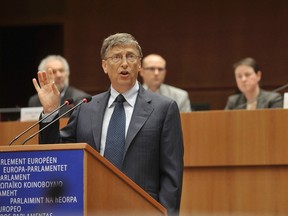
[141, 71]
[104, 66]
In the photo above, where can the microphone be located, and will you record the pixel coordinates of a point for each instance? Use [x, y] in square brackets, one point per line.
[274, 90]
[66, 103]
[84, 100]
[280, 88]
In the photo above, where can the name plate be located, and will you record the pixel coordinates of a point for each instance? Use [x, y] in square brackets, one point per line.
[285, 100]
[46, 183]
[30, 113]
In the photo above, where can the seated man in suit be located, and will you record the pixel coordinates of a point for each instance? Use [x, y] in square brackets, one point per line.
[153, 73]
[61, 71]
[251, 96]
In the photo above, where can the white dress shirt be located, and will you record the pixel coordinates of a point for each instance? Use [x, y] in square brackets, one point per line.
[130, 97]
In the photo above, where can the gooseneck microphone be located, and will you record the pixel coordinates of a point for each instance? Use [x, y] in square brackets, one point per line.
[280, 88]
[66, 103]
[84, 100]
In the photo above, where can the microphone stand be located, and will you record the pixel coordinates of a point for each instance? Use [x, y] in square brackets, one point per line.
[85, 100]
[67, 102]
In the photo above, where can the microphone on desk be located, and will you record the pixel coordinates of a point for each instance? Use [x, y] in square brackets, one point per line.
[280, 88]
[274, 90]
[84, 100]
[66, 103]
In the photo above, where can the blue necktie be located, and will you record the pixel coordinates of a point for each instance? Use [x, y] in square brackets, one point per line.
[115, 140]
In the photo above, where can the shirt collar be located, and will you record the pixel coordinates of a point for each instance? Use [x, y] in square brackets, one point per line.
[130, 95]
[63, 91]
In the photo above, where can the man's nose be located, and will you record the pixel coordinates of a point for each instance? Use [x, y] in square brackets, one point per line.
[124, 61]
[156, 71]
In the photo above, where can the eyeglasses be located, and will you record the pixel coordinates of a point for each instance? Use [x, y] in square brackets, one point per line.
[153, 69]
[131, 58]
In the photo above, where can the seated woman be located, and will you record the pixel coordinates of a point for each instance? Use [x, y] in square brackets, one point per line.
[251, 96]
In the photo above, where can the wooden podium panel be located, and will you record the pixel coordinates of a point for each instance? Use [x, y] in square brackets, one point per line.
[236, 137]
[10, 129]
[119, 195]
[107, 191]
[235, 163]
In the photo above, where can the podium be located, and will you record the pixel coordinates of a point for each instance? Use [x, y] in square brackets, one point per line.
[67, 179]
[235, 163]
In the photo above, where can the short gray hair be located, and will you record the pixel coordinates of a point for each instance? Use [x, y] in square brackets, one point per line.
[119, 39]
[42, 65]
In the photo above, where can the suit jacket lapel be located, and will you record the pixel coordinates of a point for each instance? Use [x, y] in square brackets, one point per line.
[98, 110]
[261, 100]
[142, 111]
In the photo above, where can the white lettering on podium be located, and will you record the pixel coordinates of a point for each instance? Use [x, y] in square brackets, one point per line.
[48, 168]
[10, 209]
[43, 160]
[15, 177]
[66, 199]
[43, 184]
[8, 193]
[10, 185]
[13, 161]
[29, 200]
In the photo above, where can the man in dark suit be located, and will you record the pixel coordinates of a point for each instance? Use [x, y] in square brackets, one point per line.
[153, 150]
[60, 68]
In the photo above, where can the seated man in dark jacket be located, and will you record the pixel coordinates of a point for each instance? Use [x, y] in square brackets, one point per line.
[61, 71]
